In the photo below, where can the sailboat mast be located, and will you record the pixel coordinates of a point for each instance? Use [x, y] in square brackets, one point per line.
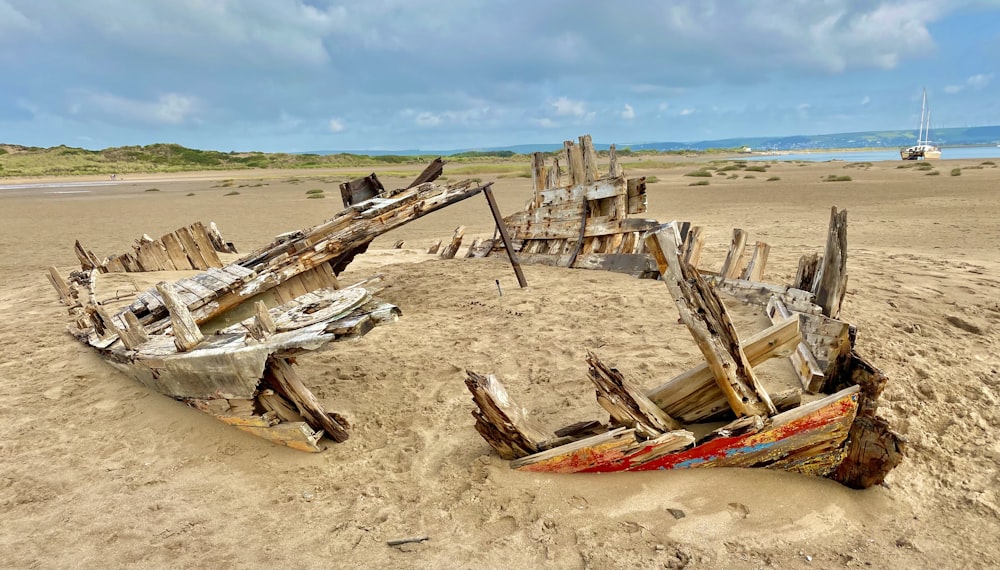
[923, 109]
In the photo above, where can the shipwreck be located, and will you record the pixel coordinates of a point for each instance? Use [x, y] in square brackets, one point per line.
[224, 340]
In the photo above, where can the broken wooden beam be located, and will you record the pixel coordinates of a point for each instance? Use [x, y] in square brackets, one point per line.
[732, 266]
[754, 271]
[503, 424]
[430, 173]
[187, 335]
[62, 289]
[708, 322]
[803, 362]
[627, 405]
[833, 272]
[456, 242]
[502, 228]
[283, 378]
[694, 396]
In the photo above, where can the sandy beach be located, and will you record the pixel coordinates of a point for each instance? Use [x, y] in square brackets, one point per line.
[98, 471]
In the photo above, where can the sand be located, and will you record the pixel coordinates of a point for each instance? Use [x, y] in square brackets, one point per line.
[97, 471]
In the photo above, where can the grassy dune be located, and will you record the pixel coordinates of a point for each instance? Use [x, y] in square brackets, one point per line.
[20, 161]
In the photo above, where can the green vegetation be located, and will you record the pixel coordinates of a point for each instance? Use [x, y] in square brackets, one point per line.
[312, 196]
[652, 180]
[699, 173]
[732, 176]
[933, 173]
[756, 168]
[774, 179]
[699, 183]
[749, 176]
[190, 194]
[152, 190]
[315, 191]
[956, 171]
[835, 178]
[987, 163]
[729, 167]
[233, 193]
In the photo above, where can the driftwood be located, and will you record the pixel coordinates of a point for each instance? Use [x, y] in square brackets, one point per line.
[456, 243]
[627, 405]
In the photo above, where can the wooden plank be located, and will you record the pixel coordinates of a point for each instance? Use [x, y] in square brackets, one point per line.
[433, 249]
[430, 173]
[627, 405]
[191, 249]
[219, 243]
[204, 243]
[754, 270]
[693, 242]
[603, 188]
[570, 229]
[87, 262]
[709, 323]
[187, 335]
[539, 176]
[733, 264]
[554, 179]
[504, 236]
[62, 289]
[176, 253]
[805, 275]
[833, 272]
[803, 362]
[284, 380]
[694, 396]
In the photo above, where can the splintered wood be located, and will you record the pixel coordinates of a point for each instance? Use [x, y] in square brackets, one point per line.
[192, 247]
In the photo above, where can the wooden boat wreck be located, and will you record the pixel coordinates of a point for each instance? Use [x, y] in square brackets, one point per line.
[224, 340]
[582, 221]
[719, 414]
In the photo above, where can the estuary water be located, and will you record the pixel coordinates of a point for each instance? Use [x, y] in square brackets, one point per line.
[963, 152]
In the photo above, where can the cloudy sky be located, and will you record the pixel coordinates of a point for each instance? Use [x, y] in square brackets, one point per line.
[295, 75]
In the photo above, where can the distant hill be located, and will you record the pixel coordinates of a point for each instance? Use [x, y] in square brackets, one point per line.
[961, 136]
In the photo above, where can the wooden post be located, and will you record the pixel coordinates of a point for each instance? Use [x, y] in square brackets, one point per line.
[187, 335]
[502, 228]
[456, 242]
[589, 159]
[134, 333]
[805, 276]
[574, 163]
[755, 269]
[731, 267]
[539, 177]
[693, 243]
[434, 247]
[708, 321]
[555, 176]
[614, 169]
[833, 276]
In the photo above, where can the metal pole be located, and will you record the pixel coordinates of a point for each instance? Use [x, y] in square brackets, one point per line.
[488, 192]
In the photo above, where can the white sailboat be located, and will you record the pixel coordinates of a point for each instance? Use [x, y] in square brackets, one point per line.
[923, 149]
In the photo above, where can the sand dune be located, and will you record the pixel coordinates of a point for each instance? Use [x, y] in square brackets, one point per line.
[97, 471]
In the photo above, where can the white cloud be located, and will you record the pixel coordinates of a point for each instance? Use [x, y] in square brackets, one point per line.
[866, 100]
[980, 80]
[663, 106]
[545, 123]
[427, 119]
[686, 112]
[336, 125]
[628, 113]
[166, 109]
[565, 106]
[952, 89]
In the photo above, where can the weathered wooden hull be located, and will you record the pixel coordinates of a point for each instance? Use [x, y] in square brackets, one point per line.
[222, 340]
[807, 441]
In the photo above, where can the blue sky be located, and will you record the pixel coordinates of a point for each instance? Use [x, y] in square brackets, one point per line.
[296, 75]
